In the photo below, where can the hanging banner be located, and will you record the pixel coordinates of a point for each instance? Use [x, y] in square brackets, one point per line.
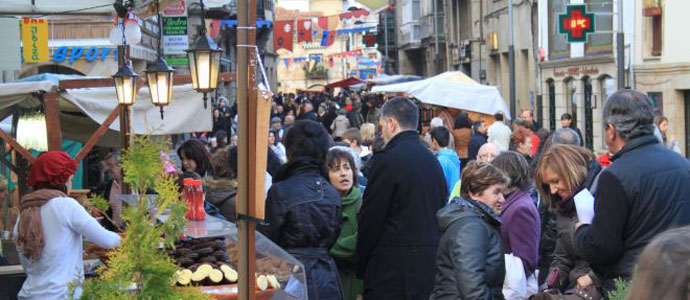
[175, 9]
[174, 17]
[328, 38]
[354, 14]
[175, 39]
[282, 35]
[346, 53]
[35, 40]
[304, 30]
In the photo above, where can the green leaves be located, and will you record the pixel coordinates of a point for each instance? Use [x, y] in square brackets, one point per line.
[140, 269]
[621, 291]
[142, 163]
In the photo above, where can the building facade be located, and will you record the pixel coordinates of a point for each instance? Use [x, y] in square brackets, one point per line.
[661, 65]
[577, 78]
[478, 35]
[421, 45]
[311, 65]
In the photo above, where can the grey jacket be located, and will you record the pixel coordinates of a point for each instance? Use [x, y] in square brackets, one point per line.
[470, 263]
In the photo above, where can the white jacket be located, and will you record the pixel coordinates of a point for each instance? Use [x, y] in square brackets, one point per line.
[499, 134]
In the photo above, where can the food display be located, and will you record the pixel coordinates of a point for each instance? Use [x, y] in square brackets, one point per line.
[211, 263]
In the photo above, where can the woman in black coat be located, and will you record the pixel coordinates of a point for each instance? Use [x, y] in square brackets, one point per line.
[470, 259]
[304, 211]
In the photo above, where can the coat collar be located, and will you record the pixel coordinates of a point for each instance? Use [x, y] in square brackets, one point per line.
[299, 165]
[513, 197]
[482, 209]
[402, 136]
[634, 144]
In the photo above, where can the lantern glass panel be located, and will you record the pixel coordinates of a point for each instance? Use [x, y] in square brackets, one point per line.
[215, 68]
[167, 88]
[203, 69]
[124, 86]
[193, 69]
[153, 87]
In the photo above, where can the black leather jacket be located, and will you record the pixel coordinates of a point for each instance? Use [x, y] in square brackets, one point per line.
[470, 258]
[303, 216]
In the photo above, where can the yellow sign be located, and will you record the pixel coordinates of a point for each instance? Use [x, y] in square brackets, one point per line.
[35, 40]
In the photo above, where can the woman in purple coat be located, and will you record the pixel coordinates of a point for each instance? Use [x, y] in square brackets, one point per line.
[520, 230]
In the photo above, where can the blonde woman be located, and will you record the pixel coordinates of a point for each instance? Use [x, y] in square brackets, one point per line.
[564, 171]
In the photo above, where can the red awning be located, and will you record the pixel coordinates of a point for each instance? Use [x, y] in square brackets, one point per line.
[344, 83]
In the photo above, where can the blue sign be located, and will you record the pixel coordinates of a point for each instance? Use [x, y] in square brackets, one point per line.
[90, 54]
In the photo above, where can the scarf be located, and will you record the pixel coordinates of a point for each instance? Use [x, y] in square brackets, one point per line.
[30, 231]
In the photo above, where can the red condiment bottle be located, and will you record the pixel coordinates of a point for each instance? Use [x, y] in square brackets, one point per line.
[188, 192]
[199, 212]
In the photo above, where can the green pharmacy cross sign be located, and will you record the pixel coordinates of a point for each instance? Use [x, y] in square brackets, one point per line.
[576, 23]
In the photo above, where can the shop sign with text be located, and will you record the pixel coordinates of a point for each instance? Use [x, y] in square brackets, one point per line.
[35, 40]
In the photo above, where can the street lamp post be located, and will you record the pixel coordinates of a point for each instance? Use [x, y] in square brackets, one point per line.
[511, 60]
[204, 61]
[160, 75]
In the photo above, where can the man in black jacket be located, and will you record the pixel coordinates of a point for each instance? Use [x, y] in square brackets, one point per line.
[398, 235]
[643, 193]
[478, 139]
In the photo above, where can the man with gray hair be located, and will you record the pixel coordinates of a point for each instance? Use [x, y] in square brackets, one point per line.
[397, 235]
[643, 193]
[566, 136]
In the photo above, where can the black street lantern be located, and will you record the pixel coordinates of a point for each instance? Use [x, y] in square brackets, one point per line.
[125, 84]
[160, 81]
[204, 61]
[160, 75]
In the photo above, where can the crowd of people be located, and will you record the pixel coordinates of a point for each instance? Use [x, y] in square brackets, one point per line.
[376, 209]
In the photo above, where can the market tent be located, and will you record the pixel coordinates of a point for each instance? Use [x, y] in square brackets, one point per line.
[83, 110]
[384, 79]
[453, 90]
[345, 83]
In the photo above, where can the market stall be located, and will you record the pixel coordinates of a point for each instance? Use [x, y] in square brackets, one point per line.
[452, 90]
[343, 84]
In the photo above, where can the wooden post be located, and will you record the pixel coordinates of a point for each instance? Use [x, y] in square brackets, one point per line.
[52, 107]
[125, 138]
[247, 155]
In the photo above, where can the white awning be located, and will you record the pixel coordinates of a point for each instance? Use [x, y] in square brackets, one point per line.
[453, 90]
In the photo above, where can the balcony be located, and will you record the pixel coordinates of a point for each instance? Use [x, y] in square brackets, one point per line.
[411, 34]
[427, 24]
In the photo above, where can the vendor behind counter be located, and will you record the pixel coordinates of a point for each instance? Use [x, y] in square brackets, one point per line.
[50, 230]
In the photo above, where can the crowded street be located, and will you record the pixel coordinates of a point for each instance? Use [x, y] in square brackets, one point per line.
[344, 150]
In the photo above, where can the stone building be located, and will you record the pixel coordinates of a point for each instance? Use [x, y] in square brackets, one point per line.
[477, 44]
[661, 65]
[417, 39]
[577, 78]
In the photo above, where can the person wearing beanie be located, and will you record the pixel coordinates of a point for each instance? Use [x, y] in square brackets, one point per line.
[50, 230]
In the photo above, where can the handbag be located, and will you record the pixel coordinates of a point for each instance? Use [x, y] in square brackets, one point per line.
[589, 293]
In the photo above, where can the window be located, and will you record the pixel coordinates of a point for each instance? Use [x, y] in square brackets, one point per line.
[653, 26]
[558, 46]
[552, 104]
[600, 42]
[608, 87]
[657, 99]
[416, 10]
[571, 98]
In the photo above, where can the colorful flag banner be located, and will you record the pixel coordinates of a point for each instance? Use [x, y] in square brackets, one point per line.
[328, 38]
[304, 30]
[282, 35]
[354, 14]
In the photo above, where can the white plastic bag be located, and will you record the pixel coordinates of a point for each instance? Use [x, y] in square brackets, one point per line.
[516, 286]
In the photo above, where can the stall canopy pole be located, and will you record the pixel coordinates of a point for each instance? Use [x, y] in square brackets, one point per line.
[247, 114]
[52, 108]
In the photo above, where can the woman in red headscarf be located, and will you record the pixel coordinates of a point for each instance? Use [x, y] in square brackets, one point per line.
[50, 229]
